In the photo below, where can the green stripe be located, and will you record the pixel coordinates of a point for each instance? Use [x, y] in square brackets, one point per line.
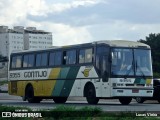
[59, 84]
[70, 81]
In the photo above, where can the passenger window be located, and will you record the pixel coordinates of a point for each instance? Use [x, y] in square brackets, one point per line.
[55, 58]
[85, 55]
[13, 64]
[28, 60]
[41, 59]
[16, 61]
[38, 60]
[58, 58]
[71, 57]
[44, 59]
[25, 61]
[51, 59]
[81, 56]
[31, 61]
[88, 55]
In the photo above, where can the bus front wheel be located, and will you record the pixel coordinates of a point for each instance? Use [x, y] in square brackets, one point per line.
[30, 95]
[60, 99]
[91, 94]
[125, 100]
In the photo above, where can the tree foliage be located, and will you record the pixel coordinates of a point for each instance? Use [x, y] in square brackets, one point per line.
[153, 40]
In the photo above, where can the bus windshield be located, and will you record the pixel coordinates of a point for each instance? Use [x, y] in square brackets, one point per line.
[131, 62]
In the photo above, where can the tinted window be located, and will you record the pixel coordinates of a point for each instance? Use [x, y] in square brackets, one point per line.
[16, 61]
[44, 59]
[58, 58]
[31, 61]
[55, 58]
[25, 61]
[13, 62]
[41, 59]
[28, 60]
[71, 57]
[88, 55]
[51, 59]
[81, 56]
[38, 60]
[85, 55]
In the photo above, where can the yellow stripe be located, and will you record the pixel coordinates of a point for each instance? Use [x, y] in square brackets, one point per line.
[148, 81]
[41, 87]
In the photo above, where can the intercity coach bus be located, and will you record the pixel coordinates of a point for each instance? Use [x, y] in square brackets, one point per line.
[115, 69]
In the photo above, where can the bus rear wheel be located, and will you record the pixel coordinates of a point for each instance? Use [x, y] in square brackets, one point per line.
[125, 100]
[60, 99]
[30, 95]
[91, 94]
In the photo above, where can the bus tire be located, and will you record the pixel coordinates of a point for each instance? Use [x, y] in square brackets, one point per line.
[139, 99]
[60, 99]
[91, 94]
[30, 95]
[125, 100]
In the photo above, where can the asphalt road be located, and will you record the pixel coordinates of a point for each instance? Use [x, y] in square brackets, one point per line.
[105, 105]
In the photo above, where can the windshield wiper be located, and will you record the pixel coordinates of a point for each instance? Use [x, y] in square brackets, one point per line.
[130, 68]
[138, 67]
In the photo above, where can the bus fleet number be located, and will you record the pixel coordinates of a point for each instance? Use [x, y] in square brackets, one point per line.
[14, 75]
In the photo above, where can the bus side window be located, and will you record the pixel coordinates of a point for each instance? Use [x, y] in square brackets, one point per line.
[16, 61]
[31, 60]
[52, 59]
[85, 55]
[71, 57]
[38, 60]
[13, 63]
[25, 61]
[55, 58]
[58, 58]
[81, 56]
[41, 59]
[64, 58]
[88, 55]
[28, 60]
[44, 59]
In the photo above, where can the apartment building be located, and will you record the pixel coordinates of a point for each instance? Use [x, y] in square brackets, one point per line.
[20, 38]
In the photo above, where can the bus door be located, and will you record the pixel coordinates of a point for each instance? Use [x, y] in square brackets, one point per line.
[105, 75]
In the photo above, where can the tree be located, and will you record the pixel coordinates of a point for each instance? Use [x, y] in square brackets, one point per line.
[153, 40]
[3, 58]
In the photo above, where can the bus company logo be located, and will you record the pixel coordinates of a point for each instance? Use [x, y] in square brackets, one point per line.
[6, 114]
[86, 71]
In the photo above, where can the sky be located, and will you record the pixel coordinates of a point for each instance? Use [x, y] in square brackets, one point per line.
[81, 21]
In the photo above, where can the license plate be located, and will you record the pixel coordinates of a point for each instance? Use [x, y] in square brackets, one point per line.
[135, 91]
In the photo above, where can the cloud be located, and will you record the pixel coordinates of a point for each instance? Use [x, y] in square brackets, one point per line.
[67, 35]
[89, 12]
[78, 21]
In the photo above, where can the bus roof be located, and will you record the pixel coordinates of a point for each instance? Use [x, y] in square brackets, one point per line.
[123, 43]
[112, 43]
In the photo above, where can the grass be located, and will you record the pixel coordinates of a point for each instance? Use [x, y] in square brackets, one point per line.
[72, 113]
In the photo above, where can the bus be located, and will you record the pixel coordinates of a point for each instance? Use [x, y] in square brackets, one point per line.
[115, 69]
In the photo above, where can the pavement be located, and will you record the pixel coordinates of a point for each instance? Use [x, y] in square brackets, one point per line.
[4, 87]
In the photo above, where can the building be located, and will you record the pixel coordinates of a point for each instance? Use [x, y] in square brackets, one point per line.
[20, 38]
[36, 39]
[10, 40]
